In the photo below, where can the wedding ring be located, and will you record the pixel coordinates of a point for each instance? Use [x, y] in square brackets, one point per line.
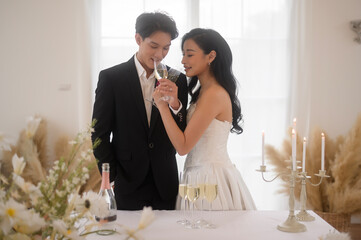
[170, 89]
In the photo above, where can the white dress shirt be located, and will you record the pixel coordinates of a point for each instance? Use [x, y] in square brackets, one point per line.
[147, 85]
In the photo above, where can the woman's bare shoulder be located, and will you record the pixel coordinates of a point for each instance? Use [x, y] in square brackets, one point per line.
[216, 93]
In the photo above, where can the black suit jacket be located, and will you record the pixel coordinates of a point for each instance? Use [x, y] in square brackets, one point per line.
[134, 148]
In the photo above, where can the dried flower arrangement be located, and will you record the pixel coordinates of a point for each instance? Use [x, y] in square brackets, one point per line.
[41, 199]
[32, 146]
[341, 192]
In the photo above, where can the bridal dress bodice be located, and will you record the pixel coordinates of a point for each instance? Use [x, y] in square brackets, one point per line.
[210, 154]
[212, 146]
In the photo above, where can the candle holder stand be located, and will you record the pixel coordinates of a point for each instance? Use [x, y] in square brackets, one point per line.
[303, 215]
[291, 224]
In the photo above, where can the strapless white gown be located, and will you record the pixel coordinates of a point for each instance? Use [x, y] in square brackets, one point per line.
[210, 152]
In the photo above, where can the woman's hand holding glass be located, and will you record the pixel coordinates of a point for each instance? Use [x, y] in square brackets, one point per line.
[167, 92]
[166, 84]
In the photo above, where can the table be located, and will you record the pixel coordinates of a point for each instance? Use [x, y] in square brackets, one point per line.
[231, 225]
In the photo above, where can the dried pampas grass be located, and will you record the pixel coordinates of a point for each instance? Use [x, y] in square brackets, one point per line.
[34, 151]
[63, 148]
[341, 193]
[344, 192]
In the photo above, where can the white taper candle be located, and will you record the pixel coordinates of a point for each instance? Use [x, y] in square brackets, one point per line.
[294, 150]
[304, 156]
[262, 148]
[323, 152]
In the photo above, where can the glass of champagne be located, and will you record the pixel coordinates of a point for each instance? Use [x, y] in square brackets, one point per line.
[161, 71]
[182, 190]
[211, 192]
[201, 183]
[192, 196]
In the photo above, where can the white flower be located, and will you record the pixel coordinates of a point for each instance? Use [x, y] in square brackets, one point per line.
[147, 218]
[27, 187]
[10, 212]
[94, 203]
[76, 180]
[61, 228]
[4, 143]
[18, 236]
[29, 222]
[18, 164]
[336, 236]
[32, 125]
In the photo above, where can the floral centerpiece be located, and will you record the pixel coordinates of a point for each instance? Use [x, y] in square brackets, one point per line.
[47, 204]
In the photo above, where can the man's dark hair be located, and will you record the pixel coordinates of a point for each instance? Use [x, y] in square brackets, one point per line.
[148, 23]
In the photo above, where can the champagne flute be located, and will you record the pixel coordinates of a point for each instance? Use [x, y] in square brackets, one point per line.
[161, 71]
[183, 194]
[211, 192]
[201, 183]
[192, 196]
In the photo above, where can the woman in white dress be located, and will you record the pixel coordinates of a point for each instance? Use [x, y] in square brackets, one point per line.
[214, 112]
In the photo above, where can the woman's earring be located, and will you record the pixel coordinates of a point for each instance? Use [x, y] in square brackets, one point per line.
[209, 64]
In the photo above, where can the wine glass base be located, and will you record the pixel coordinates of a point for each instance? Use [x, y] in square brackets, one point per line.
[193, 226]
[183, 222]
[210, 226]
[202, 222]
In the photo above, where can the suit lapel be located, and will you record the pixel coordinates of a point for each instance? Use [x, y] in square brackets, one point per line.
[136, 89]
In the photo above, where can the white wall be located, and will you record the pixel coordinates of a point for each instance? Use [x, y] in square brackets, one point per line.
[42, 47]
[332, 67]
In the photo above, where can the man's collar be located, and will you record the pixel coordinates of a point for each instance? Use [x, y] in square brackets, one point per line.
[140, 69]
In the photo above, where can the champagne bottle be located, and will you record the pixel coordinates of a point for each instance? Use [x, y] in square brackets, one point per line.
[107, 192]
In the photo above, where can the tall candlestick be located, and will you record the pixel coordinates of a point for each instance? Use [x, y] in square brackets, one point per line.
[304, 156]
[323, 152]
[294, 123]
[262, 148]
[294, 150]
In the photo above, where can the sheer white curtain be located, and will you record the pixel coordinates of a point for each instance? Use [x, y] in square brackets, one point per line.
[258, 32]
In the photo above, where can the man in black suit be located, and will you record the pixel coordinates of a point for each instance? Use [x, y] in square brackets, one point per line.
[133, 139]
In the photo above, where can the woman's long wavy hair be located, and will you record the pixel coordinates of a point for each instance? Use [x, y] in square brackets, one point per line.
[221, 67]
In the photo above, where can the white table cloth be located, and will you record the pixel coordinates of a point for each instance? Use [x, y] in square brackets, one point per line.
[231, 225]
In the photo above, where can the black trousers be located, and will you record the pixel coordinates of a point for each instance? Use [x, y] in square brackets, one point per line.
[145, 195]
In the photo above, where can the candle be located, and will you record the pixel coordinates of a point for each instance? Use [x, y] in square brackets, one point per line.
[294, 123]
[304, 156]
[262, 148]
[293, 150]
[323, 152]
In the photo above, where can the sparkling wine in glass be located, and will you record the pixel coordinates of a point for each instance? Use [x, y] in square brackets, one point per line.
[192, 195]
[161, 71]
[183, 194]
[211, 192]
[201, 183]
